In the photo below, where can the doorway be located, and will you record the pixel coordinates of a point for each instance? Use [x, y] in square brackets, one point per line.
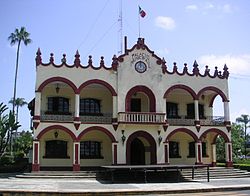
[137, 152]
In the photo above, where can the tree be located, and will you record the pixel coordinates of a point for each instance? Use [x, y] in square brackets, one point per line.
[7, 126]
[23, 143]
[19, 102]
[18, 37]
[245, 119]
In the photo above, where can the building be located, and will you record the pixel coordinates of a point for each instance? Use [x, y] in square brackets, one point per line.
[136, 111]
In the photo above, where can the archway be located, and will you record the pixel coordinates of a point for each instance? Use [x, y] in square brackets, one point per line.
[137, 152]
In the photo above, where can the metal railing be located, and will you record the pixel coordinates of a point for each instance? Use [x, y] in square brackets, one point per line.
[56, 117]
[135, 117]
[213, 120]
[103, 118]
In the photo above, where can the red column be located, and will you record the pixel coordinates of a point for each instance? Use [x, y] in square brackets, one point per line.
[35, 161]
[114, 154]
[167, 153]
[76, 157]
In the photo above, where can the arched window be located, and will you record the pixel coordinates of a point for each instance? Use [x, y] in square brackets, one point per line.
[58, 105]
[90, 106]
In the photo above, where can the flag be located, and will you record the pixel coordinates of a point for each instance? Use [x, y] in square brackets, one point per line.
[142, 12]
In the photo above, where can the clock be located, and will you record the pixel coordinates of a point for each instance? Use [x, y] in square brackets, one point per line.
[140, 67]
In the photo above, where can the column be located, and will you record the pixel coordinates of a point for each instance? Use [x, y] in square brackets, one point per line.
[228, 150]
[214, 155]
[37, 111]
[198, 152]
[36, 161]
[226, 111]
[114, 115]
[114, 153]
[76, 156]
[166, 147]
[77, 106]
[196, 110]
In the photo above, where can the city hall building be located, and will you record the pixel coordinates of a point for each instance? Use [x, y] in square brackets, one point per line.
[136, 111]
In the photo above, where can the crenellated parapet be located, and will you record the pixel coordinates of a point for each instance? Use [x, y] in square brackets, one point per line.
[77, 62]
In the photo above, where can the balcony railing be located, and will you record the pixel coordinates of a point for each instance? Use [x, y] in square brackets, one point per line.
[133, 117]
[56, 117]
[103, 118]
[208, 120]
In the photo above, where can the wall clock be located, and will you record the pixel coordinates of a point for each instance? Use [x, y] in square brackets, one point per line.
[140, 67]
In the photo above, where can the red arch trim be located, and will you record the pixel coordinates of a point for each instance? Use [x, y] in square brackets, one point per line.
[57, 79]
[184, 130]
[97, 128]
[212, 88]
[145, 90]
[149, 138]
[218, 131]
[96, 81]
[56, 127]
[180, 86]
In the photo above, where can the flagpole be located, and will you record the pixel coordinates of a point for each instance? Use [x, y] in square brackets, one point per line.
[139, 23]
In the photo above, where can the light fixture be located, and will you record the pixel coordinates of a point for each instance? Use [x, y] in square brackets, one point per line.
[123, 137]
[56, 134]
[57, 88]
[159, 137]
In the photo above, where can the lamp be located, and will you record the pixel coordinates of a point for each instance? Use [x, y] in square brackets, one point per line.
[57, 88]
[159, 137]
[56, 134]
[123, 137]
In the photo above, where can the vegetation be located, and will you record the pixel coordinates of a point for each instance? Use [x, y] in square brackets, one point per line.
[19, 102]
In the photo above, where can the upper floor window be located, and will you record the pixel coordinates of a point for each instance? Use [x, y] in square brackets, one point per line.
[191, 112]
[172, 110]
[90, 150]
[174, 150]
[56, 149]
[90, 106]
[58, 105]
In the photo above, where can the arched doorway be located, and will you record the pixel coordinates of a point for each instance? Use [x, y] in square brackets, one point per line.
[137, 152]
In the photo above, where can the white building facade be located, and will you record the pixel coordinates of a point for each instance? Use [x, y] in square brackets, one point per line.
[135, 112]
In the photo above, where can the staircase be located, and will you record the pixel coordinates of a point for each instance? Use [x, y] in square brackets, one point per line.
[215, 173]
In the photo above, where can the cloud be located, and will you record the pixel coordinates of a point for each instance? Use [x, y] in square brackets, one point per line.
[191, 7]
[227, 8]
[237, 64]
[165, 22]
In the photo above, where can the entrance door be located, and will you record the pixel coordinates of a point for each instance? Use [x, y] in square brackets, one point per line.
[135, 105]
[137, 152]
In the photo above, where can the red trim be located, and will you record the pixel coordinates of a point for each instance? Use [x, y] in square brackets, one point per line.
[229, 152]
[35, 167]
[77, 125]
[36, 117]
[96, 81]
[214, 164]
[149, 138]
[199, 152]
[96, 128]
[76, 167]
[115, 154]
[225, 137]
[229, 164]
[144, 89]
[57, 127]
[212, 100]
[35, 124]
[76, 154]
[212, 88]
[181, 86]
[184, 130]
[36, 153]
[166, 154]
[57, 79]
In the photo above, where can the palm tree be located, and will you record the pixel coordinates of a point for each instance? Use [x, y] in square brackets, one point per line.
[19, 102]
[245, 119]
[18, 37]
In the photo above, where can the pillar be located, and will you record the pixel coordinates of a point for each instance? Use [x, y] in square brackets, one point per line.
[76, 156]
[226, 111]
[196, 110]
[77, 105]
[36, 161]
[214, 155]
[228, 150]
[198, 152]
[114, 115]
[166, 147]
[114, 153]
[37, 104]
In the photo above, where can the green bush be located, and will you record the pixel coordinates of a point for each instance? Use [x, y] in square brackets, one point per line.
[6, 160]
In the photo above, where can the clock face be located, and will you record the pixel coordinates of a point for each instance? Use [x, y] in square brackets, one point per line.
[140, 67]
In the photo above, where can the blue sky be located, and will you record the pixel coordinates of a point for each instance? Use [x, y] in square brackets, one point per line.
[212, 32]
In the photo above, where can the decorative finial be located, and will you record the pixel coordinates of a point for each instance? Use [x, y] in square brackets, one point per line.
[63, 60]
[77, 61]
[195, 69]
[38, 57]
[90, 61]
[225, 72]
[51, 59]
[114, 63]
[102, 61]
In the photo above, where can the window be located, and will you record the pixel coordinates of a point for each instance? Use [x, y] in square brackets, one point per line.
[90, 106]
[58, 105]
[191, 113]
[56, 149]
[172, 110]
[90, 150]
[174, 150]
[192, 149]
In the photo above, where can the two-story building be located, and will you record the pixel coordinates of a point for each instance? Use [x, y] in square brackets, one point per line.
[135, 112]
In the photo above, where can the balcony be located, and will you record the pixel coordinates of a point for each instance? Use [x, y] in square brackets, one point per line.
[144, 118]
[206, 121]
[105, 118]
[59, 117]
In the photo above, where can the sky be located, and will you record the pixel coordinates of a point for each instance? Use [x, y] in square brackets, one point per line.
[213, 32]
